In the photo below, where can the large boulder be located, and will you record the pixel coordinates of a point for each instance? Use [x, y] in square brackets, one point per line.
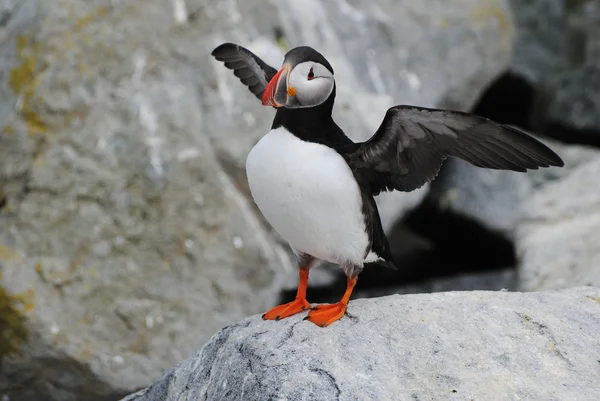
[456, 346]
[559, 232]
[126, 233]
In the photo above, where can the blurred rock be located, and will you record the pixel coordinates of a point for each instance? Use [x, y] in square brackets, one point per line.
[542, 42]
[492, 197]
[558, 52]
[569, 101]
[126, 234]
[554, 34]
[559, 231]
[471, 345]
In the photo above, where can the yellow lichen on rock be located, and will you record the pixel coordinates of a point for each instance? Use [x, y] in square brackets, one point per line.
[595, 299]
[13, 331]
[84, 21]
[8, 129]
[7, 254]
[483, 12]
[23, 80]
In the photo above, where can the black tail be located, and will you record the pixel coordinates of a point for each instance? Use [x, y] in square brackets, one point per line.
[377, 237]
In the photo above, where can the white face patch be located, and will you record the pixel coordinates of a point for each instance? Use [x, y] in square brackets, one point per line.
[312, 82]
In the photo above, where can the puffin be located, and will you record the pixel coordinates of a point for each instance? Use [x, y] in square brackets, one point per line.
[316, 187]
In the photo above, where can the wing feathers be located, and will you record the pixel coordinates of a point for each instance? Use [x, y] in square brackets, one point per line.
[410, 145]
[252, 71]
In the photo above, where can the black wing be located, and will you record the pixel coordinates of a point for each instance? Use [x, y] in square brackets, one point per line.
[411, 144]
[249, 68]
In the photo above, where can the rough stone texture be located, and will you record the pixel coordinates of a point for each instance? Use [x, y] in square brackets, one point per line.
[554, 35]
[125, 236]
[492, 197]
[558, 52]
[445, 346]
[570, 100]
[559, 232]
[542, 43]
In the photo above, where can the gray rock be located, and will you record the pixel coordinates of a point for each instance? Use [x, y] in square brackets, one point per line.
[457, 345]
[558, 52]
[553, 35]
[126, 233]
[559, 231]
[542, 44]
[570, 101]
[492, 197]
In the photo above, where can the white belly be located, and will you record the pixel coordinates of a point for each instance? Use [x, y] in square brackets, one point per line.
[309, 195]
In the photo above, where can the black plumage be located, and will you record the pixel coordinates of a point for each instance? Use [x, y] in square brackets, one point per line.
[411, 144]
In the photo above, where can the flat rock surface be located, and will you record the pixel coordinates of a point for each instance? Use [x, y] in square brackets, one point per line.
[451, 346]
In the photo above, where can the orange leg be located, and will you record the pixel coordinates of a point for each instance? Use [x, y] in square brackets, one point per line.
[298, 305]
[324, 315]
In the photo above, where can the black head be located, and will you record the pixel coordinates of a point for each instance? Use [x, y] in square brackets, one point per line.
[302, 54]
[305, 80]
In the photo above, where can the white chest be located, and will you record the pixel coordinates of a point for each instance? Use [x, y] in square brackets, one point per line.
[309, 195]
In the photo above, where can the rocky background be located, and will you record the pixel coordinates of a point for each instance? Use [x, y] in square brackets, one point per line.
[127, 236]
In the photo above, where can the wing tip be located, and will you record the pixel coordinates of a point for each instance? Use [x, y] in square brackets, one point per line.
[556, 160]
[550, 157]
[218, 51]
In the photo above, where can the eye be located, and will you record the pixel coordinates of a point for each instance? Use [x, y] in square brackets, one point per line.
[311, 74]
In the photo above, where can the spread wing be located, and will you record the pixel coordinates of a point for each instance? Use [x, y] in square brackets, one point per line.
[411, 144]
[249, 68]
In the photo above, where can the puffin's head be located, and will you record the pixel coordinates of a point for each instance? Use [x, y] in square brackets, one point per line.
[304, 80]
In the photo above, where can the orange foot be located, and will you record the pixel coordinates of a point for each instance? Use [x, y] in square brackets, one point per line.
[286, 310]
[324, 315]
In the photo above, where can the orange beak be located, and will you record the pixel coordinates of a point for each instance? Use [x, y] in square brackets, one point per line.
[277, 92]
